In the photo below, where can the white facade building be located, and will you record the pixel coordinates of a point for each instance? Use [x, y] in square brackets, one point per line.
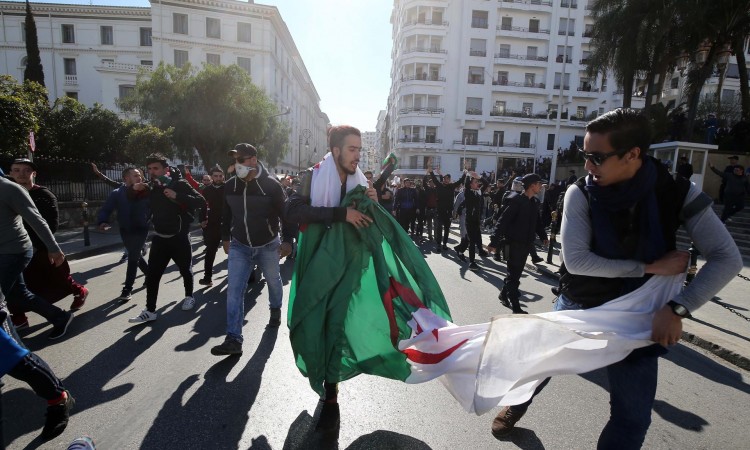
[483, 79]
[369, 155]
[94, 53]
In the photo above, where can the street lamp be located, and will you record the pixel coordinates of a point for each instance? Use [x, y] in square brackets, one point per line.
[303, 135]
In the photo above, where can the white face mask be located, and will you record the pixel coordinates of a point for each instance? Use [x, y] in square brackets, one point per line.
[243, 171]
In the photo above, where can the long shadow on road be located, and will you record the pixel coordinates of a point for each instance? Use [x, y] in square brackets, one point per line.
[215, 416]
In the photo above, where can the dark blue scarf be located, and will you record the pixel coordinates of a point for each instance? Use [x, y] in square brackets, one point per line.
[638, 193]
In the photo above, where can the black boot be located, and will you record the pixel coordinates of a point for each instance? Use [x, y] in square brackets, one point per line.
[516, 306]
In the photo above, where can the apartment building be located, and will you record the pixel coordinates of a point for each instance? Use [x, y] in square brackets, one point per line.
[94, 53]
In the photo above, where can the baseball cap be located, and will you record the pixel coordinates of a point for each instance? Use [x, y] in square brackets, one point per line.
[26, 161]
[243, 151]
[734, 157]
[530, 179]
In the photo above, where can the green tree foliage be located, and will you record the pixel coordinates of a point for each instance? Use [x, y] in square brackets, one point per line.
[275, 143]
[146, 139]
[210, 110]
[23, 107]
[33, 70]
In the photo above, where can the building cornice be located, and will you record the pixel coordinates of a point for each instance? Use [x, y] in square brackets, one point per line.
[78, 50]
[57, 9]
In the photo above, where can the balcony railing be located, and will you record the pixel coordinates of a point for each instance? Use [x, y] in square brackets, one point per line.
[505, 82]
[424, 50]
[522, 29]
[71, 80]
[560, 58]
[425, 22]
[557, 86]
[509, 113]
[565, 4]
[418, 166]
[495, 144]
[530, 2]
[506, 55]
[423, 77]
[569, 33]
[429, 140]
[411, 109]
[474, 111]
[587, 88]
[588, 34]
[583, 61]
[479, 23]
[478, 53]
[476, 80]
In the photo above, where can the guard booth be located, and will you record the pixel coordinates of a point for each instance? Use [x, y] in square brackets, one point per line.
[669, 153]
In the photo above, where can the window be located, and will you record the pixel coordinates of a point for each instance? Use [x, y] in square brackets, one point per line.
[506, 23]
[588, 30]
[23, 33]
[499, 108]
[476, 75]
[566, 84]
[550, 142]
[527, 108]
[213, 28]
[468, 164]
[180, 58]
[567, 26]
[73, 95]
[534, 25]
[479, 19]
[581, 112]
[529, 79]
[108, 61]
[244, 63]
[69, 66]
[525, 141]
[244, 32]
[502, 78]
[431, 136]
[126, 90]
[727, 96]
[68, 34]
[531, 53]
[498, 138]
[213, 59]
[478, 47]
[474, 106]
[564, 54]
[674, 83]
[147, 62]
[503, 51]
[180, 23]
[145, 37]
[107, 35]
[469, 137]
[24, 62]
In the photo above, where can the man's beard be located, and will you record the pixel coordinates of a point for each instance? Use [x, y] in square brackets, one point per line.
[346, 170]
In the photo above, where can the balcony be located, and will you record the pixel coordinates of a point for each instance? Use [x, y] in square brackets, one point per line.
[481, 53]
[422, 77]
[557, 86]
[413, 110]
[505, 82]
[474, 111]
[587, 88]
[505, 55]
[583, 61]
[522, 29]
[110, 66]
[529, 5]
[566, 3]
[479, 23]
[424, 50]
[510, 113]
[420, 140]
[475, 80]
[495, 144]
[71, 80]
[588, 33]
[560, 59]
[569, 33]
[418, 166]
[426, 22]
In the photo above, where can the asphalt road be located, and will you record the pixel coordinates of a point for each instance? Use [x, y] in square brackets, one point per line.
[156, 386]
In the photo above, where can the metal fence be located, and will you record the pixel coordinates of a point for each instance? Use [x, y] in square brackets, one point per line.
[74, 180]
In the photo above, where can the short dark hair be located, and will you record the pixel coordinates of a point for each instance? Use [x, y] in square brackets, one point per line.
[215, 169]
[337, 134]
[368, 172]
[625, 128]
[156, 158]
[127, 170]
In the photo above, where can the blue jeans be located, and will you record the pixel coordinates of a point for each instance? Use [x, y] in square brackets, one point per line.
[133, 241]
[242, 259]
[16, 292]
[632, 388]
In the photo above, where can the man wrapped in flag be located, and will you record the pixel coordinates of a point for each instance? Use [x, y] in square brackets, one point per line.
[357, 281]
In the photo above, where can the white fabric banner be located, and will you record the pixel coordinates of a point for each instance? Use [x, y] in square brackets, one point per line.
[503, 361]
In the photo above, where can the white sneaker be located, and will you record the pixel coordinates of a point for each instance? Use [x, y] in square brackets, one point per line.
[188, 303]
[145, 316]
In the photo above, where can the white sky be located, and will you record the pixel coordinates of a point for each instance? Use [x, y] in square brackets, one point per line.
[346, 47]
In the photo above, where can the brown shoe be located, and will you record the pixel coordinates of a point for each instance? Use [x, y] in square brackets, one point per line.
[505, 421]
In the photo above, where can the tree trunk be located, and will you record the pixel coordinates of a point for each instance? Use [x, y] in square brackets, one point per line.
[719, 87]
[738, 46]
[696, 80]
[627, 88]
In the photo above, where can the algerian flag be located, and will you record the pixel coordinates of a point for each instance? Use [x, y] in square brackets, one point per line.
[353, 295]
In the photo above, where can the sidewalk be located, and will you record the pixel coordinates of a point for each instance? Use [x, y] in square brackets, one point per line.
[713, 327]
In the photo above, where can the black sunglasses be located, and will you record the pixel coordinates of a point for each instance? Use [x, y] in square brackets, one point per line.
[598, 159]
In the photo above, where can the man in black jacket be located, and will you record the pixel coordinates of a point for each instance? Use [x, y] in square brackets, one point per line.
[446, 192]
[211, 221]
[517, 224]
[252, 216]
[172, 202]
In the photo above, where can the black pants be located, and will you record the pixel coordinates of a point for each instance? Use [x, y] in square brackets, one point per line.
[212, 239]
[38, 375]
[443, 226]
[517, 254]
[474, 235]
[176, 248]
[733, 203]
[420, 222]
[406, 217]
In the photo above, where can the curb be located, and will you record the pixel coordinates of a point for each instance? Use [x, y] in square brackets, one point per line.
[727, 355]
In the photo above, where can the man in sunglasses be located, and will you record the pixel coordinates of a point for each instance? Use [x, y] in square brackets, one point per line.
[618, 229]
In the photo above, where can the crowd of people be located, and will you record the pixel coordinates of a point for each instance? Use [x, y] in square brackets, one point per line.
[613, 241]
